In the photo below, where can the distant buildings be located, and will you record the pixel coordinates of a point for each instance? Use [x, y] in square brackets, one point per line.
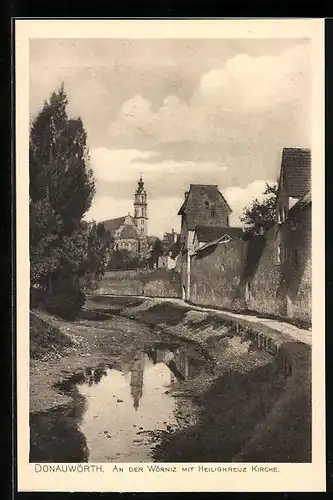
[131, 232]
[171, 250]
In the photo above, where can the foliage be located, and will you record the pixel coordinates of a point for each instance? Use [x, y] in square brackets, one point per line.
[67, 302]
[156, 252]
[97, 252]
[123, 259]
[59, 162]
[61, 189]
[260, 216]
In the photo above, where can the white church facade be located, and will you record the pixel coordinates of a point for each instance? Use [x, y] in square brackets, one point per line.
[130, 232]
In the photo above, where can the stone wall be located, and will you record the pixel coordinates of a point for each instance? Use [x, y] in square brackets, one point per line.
[153, 283]
[262, 275]
[215, 275]
[279, 282]
[269, 275]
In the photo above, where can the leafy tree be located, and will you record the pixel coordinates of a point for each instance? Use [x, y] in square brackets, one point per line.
[61, 191]
[44, 242]
[59, 162]
[122, 259]
[98, 251]
[156, 252]
[260, 216]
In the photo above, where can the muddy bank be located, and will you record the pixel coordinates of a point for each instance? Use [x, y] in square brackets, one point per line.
[95, 353]
[254, 409]
[246, 407]
[63, 348]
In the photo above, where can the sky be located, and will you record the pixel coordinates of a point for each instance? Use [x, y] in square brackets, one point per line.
[179, 112]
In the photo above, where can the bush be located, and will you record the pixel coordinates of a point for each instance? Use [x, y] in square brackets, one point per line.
[66, 304]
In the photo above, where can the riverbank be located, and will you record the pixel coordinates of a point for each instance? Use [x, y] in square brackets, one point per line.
[61, 348]
[254, 409]
[250, 409]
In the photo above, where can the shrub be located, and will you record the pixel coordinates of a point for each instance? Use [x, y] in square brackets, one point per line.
[66, 304]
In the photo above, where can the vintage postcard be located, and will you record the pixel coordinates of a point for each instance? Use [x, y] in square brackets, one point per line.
[170, 255]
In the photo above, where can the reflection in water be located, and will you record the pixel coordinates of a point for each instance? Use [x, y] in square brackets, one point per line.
[176, 357]
[120, 412]
[131, 406]
[137, 370]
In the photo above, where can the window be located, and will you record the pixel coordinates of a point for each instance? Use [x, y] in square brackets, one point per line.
[247, 291]
[213, 211]
[293, 224]
[296, 257]
[227, 220]
[278, 255]
[285, 253]
[206, 204]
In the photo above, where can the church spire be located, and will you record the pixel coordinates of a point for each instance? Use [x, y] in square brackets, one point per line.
[140, 208]
[140, 188]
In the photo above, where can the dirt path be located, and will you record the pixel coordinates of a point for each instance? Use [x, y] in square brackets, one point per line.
[299, 334]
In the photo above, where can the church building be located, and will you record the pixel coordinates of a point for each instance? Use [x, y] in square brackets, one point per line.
[131, 232]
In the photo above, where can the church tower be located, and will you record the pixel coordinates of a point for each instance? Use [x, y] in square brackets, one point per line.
[140, 208]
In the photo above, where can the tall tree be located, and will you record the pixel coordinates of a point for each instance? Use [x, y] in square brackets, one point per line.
[61, 190]
[260, 216]
[59, 162]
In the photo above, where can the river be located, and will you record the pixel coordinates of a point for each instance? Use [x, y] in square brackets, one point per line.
[121, 411]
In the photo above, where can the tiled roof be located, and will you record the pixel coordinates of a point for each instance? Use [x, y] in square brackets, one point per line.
[206, 234]
[112, 225]
[174, 249]
[206, 205]
[128, 232]
[296, 168]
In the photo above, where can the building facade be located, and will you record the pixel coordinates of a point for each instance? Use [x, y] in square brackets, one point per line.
[203, 205]
[271, 273]
[131, 232]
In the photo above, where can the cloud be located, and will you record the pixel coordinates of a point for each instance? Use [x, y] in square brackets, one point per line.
[256, 83]
[215, 112]
[119, 165]
[239, 198]
[117, 172]
[273, 88]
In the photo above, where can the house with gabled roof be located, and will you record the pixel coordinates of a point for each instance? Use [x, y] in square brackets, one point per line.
[294, 179]
[204, 205]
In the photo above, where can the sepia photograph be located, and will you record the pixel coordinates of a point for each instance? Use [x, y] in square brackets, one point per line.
[170, 251]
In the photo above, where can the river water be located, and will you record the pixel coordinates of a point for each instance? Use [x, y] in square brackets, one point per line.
[123, 410]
